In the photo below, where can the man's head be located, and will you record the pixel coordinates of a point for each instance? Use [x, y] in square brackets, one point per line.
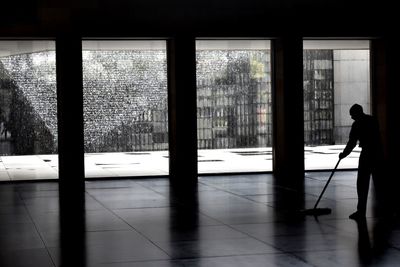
[356, 112]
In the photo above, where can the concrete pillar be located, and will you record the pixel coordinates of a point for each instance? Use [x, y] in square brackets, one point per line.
[70, 112]
[71, 149]
[379, 89]
[386, 82]
[288, 108]
[182, 111]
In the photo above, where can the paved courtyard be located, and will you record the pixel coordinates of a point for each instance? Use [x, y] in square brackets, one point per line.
[155, 163]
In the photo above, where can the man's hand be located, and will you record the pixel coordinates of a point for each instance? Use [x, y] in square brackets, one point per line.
[342, 155]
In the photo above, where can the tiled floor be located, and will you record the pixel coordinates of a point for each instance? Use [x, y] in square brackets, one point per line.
[245, 220]
[155, 163]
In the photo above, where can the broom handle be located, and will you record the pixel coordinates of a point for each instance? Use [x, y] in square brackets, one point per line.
[327, 183]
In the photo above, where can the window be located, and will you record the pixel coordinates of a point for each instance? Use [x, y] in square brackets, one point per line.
[125, 108]
[336, 76]
[28, 110]
[234, 118]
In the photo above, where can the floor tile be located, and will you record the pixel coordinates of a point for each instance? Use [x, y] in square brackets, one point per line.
[232, 213]
[4, 175]
[26, 258]
[159, 217]
[120, 246]
[267, 231]
[349, 258]
[103, 220]
[315, 242]
[20, 236]
[188, 233]
[236, 221]
[159, 263]
[220, 247]
[269, 260]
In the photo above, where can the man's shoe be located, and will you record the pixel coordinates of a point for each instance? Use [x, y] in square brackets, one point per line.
[357, 216]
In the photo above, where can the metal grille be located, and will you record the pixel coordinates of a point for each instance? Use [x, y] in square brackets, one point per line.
[233, 99]
[318, 97]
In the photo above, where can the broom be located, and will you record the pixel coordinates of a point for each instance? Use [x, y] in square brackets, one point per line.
[321, 211]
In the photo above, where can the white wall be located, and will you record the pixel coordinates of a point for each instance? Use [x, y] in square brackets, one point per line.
[351, 73]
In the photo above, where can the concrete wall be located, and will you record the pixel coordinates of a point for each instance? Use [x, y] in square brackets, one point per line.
[122, 92]
[121, 89]
[351, 85]
[29, 103]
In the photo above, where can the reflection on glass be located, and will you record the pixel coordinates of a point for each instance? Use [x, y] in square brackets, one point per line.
[28, 110]
[336, 75]
[234, 123]
[125, 107]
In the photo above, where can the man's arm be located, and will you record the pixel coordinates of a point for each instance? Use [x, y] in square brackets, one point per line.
[351, 144]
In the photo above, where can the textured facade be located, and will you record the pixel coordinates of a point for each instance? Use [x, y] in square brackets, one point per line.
[28, 103]
[125, 99]
[234, 99]
[318, 97]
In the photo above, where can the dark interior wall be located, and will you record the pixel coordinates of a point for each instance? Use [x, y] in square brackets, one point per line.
[102, 18]
[69, 20]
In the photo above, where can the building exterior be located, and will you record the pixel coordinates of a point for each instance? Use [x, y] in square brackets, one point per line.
[125, 99]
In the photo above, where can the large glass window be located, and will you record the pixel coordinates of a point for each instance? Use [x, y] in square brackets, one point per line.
[28, 110]
[125, 108]
[336, 76]
[234, 119]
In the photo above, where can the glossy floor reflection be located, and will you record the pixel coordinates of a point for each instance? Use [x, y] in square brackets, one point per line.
[243, 220]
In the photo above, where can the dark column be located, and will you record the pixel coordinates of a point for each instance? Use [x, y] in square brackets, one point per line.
[385, 69]
[288, 109]
[71, 149]
[182, 111]
[391, 52]
[379, 88]
[379, 100]
[393, 98]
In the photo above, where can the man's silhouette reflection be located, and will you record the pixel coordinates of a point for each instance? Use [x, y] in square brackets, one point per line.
[372, 250]
[364, 243]
[365, 130]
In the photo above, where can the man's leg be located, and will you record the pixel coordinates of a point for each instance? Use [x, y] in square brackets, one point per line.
[363, 179]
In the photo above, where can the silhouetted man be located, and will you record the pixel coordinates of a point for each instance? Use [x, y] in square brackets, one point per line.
[365, 130]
